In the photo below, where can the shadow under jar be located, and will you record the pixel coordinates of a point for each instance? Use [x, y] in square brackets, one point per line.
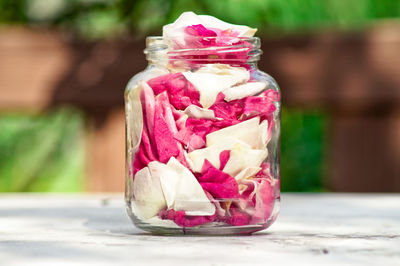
[202, 139]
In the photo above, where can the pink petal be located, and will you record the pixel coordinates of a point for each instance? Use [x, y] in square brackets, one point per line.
[181, 219]
[229, 111]
[217, 183]
[219, 210]
[195, 142]
[163, 101]
[224, 158]
[258, 105]
[237, 217]
[200, 127]
[148, 102]
[146, 146]
[181, 92]
[138, 164]
[199, 30]
[265, 200]
[164, 138]
[190, 140]
[225, 190]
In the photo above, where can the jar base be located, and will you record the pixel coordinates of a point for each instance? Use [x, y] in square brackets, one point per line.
[157, 226]
[209, 229]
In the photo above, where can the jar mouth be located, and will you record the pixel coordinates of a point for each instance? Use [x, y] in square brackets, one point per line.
[201, 48]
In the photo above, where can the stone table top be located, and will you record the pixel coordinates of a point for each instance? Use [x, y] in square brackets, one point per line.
[93, 229]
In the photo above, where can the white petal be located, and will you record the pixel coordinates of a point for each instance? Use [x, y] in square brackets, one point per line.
[148, 194]
[134, 106]
[180, 123]
[241, 73]
[147, 75]
[212, 22]
[244, 90]
[247, 172]
[188, 160]
[198, 112]
[209, 85]
[247, 131]
[213, 79]
[181, 189]
[264, 134]
[211, 153]
[242, 157]
[190, 196]
[168, 178]
[133, 109]
[243, 204]
[176, 29]
[157, 221]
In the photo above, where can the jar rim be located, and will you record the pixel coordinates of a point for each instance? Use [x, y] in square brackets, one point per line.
[156, 46]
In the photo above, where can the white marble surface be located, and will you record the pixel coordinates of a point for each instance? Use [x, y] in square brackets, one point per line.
[312, 229]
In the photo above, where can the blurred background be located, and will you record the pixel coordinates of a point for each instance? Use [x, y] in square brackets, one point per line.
[64, 65]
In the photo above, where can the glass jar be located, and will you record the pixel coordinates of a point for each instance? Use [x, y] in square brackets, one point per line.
[202, 139]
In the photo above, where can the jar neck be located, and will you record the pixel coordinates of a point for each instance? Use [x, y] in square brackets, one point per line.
[235, 51]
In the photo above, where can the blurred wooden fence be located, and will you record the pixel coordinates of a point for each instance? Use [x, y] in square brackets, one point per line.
[354, 77]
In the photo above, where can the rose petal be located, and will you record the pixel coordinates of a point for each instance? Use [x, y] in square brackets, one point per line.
[183, 220]
[198, 112]
[135, 117]
[237, 217]
[199, 30]
[168, 178]
[181, 93]
[258, 105]
[265, 200]
[190, 140]
[265, 134]
[227, 28]
[148, 195]
[247, 131]
[211, 153]
[247, 172]
[189, 196]
[180, 188]
[147, 98]
[229, 112]
[217, 183]
[157, 221]
[176, 30]
[242, 157]
[244, 90]
[223, 158]
[164, 138]
[213, 79]
[219, 210]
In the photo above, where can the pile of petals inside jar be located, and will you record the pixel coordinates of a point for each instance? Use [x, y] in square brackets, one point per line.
[202, 156]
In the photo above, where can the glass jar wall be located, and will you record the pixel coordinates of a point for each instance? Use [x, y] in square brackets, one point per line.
[202, 139]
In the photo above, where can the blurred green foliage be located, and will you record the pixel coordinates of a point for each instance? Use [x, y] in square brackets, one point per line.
[109, 18]
[302, 149]
[269, 16]
[42, 152]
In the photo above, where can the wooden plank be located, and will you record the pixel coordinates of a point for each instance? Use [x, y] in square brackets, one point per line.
[32, 63]
[355, 77]
[312, 229]
[352, 72]
[106, 152]
[365, 152]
